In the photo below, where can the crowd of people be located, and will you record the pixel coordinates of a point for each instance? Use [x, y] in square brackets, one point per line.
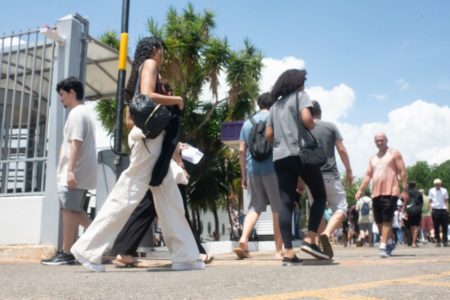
[273, 171]
[415, 222]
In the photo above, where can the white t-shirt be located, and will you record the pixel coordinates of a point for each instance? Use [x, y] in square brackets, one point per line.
[438, 198]
[367, 218]
[79, 126]
[397, 221]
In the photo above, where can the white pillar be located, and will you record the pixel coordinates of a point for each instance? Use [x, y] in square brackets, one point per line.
[67, 63]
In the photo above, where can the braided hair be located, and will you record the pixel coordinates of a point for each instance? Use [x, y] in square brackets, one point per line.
[288, 82]
[144, 50]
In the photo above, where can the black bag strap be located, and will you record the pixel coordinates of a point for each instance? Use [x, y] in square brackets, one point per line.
[313, 138]
[137, 88]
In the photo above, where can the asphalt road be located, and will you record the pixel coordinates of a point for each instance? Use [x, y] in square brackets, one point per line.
[355, 273]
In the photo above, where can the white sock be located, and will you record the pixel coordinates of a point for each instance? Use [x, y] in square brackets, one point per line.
[382, 246]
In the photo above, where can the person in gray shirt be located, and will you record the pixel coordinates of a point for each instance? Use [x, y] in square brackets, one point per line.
[287, 126]
[330, 138]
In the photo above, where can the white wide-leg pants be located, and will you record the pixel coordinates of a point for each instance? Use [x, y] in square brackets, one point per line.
[129, 190]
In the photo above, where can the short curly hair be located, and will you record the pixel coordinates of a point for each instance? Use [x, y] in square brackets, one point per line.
[289, 81]
[144, 50]
[71, 83]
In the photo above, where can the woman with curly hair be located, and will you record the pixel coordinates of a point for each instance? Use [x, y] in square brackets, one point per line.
[133, 183]
[287, 127]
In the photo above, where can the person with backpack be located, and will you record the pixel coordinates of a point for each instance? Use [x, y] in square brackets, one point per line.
[364, 208]
[414, 212]
[258, 176]
[426, 221]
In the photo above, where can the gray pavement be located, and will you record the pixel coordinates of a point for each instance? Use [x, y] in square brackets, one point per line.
[355, 273]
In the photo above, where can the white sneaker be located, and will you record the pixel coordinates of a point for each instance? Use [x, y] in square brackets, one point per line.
[383, 253]
[91, 266]
[190, 265]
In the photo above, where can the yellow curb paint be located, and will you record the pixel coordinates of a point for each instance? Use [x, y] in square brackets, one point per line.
[341, 292]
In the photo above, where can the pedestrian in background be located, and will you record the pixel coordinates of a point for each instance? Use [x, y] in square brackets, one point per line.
[384, 170]
[439, 202]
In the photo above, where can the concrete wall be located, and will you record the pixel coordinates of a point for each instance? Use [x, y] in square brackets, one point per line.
[208, 225]
[20, 220]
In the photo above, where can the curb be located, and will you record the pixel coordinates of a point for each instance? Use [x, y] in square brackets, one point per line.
[25, 253]
[28, 253]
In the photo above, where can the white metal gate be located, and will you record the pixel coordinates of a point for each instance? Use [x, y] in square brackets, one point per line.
[25, 82]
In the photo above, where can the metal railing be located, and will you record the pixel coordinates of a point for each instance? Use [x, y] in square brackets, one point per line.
[25, 81]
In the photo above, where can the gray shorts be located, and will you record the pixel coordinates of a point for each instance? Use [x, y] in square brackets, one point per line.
[336, 196]
[71, 199]
[263, 191]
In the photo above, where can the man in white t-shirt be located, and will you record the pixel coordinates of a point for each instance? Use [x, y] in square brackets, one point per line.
[439, 203]
[77, 167]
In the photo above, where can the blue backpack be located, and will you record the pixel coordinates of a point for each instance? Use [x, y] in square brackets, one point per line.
[365, 209]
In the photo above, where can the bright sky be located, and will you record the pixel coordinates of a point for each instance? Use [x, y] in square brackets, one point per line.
[373, 65]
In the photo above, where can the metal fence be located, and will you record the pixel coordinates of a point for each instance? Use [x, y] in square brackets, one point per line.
[25, 82]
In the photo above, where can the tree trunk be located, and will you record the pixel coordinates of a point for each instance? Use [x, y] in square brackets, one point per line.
[216, 233]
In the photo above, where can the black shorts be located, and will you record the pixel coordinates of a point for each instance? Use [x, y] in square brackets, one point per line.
[414, 220]
[384, 208]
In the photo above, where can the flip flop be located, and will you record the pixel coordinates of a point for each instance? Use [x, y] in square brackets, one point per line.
[208, 259]
[326, 245]
[134, 264]
[241, 254]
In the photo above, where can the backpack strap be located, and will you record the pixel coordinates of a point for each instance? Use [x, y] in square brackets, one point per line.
[252, 120]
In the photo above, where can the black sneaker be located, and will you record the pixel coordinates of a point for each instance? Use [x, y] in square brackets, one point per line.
[294, 261]
[326, 245]
[313, 250]
[60, 258]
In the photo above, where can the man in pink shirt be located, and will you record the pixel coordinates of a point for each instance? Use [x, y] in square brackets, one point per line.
[384, 169]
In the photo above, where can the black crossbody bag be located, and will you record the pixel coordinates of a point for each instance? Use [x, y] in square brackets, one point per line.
[150, 117]
[311, 154]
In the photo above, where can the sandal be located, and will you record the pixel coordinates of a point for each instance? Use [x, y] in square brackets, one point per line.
[207, 259]
[241, 254]
[133, 264]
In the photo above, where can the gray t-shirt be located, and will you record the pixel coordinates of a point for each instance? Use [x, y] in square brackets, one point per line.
[284, 120]
[79, 126]
[327, 134]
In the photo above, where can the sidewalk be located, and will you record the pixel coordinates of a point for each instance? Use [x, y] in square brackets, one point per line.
[35, 253]
[354, 273]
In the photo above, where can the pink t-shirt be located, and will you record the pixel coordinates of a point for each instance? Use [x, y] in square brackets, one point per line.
[384, 178]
